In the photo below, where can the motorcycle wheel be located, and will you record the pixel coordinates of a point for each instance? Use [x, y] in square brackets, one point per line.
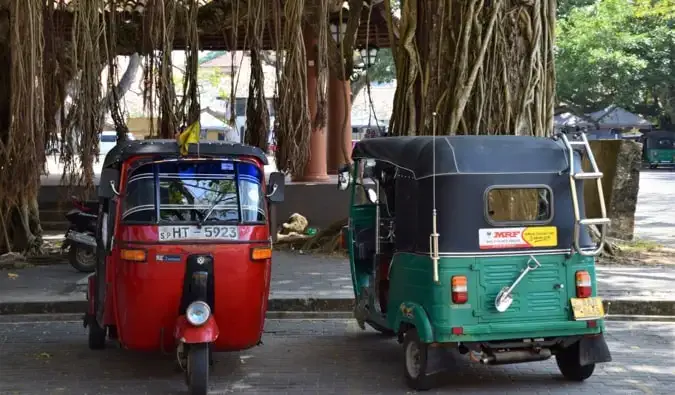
[81, 259]
[198, 369]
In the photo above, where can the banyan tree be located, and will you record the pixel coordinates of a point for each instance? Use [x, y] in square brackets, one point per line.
[481, 66]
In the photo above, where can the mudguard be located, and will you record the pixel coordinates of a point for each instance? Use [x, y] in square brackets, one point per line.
[414, 314]
[187, 333]
[593, 349]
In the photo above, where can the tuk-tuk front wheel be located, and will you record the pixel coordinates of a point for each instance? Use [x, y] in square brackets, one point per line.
[415, 362]
[198, 369]
[568, 363]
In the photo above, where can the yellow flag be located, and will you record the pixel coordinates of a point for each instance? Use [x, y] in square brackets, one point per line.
[189, 136]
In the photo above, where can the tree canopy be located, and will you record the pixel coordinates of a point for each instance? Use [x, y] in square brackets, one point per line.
[618, 52]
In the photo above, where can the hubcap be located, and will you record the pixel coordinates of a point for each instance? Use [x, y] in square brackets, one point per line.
[84, 255]
[412, 359]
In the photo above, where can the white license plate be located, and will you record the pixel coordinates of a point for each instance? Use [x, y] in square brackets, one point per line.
[206, 232]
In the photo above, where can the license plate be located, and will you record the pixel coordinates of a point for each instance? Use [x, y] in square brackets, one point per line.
[206, 232]
[587, 308]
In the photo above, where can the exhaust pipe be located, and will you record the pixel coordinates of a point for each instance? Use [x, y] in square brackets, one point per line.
[516, 356]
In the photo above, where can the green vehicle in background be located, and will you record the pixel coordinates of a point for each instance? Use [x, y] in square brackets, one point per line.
[477, 243]
[659, 148]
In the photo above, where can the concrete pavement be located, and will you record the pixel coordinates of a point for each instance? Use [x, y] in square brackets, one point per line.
[315, 357]
[655, 212]
[322, 283]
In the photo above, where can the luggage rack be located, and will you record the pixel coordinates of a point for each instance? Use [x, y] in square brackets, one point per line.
[579, 140]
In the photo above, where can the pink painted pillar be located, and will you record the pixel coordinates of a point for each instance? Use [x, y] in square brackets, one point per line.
[315, 170]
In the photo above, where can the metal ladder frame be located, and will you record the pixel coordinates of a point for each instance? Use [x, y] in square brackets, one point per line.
[596, 175]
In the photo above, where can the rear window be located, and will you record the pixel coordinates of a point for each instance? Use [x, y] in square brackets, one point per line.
[108, 138]
[519, 205]
[666, 144]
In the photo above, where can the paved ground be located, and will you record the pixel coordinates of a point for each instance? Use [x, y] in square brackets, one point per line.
[655, 215]
[311, 276]
[315, 357]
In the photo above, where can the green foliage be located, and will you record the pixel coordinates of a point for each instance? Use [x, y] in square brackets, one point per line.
[383, 70]
[618, 52]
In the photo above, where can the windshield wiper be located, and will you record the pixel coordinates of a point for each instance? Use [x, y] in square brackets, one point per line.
[208, 213]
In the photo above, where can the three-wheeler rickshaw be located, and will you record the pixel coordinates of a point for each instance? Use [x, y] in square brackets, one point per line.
[479, 244]
[659, 148]
[183, 251]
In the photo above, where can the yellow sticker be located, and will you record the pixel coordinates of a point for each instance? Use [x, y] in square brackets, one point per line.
[541, 236]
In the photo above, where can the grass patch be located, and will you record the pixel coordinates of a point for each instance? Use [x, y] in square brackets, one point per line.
[639, 245]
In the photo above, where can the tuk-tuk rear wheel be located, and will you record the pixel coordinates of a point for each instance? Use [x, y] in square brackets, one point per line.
[415, 362]
[198, 369]
[569, 365]
[97, 335]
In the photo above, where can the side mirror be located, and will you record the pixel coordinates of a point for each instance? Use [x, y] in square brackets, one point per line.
[276, 187]
[343, 178]
[108, 187]
[372, 195]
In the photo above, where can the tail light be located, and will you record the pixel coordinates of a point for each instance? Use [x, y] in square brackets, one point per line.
[261, 253]
[459, 290]
[584, 288]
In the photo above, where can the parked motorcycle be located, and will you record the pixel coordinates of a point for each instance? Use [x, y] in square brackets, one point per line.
[80, 237]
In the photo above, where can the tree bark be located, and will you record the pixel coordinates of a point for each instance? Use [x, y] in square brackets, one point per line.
[481, 67]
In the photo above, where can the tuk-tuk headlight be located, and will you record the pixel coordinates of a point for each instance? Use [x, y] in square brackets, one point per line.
[197, 313]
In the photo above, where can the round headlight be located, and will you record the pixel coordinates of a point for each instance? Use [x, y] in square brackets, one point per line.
[197, 313]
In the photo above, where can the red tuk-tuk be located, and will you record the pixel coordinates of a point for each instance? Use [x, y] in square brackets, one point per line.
[183, 251]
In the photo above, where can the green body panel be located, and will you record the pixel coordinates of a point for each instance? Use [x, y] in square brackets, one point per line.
[538, 309]
[657, 156]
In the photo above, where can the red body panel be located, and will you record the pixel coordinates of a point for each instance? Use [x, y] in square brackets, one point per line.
[187, 333]
[143, 298]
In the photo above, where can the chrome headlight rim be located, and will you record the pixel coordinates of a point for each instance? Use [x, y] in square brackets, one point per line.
[198, 309]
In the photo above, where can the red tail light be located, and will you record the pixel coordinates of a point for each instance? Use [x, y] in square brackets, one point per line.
[584, 288]
[460, 293]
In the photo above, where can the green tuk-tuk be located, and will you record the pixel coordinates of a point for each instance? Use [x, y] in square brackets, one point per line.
[477, 243]
[659, 148]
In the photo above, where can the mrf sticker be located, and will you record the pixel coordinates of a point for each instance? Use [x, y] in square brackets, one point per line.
[525, 237]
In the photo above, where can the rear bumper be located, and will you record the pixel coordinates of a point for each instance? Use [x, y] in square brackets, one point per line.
[517, 330]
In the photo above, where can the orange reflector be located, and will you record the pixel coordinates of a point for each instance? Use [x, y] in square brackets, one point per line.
[260, 253]
[133, 255]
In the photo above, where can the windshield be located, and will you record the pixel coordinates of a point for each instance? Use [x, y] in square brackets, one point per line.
[195, 191]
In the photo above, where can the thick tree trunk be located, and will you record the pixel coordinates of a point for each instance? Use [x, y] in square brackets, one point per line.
[21, 126]
[482, 67]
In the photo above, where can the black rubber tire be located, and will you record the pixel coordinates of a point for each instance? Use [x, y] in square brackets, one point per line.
[422, 381]
[112, 332]
[97, 335]
[568, 363]
[80, 260]
[384, 331]
[198, 369]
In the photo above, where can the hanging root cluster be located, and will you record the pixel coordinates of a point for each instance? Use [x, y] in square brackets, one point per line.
[257, 112]
[159, 93]
[80, 136]
[21, 125]
[485, 67]
[293, 125]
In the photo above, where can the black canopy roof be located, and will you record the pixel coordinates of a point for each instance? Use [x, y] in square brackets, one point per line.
[467, 154]
[660, 134]
[169, 148]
